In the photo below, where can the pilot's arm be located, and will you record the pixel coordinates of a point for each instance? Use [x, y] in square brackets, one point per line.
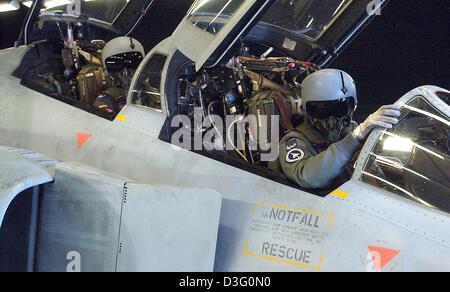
[310, 170]
[302, 164]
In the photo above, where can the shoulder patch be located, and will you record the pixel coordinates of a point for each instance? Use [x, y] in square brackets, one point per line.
[295, 155]
[291, 144]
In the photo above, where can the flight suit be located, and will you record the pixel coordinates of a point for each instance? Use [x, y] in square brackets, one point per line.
[309, 160]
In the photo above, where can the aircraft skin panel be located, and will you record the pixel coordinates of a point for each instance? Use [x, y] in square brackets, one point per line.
[416, 229]
[80, 217]
[42, 160]
[141, 119]
[16, 175]
[10, 59]
[111, 223]
[343, 239]
[168, 229]
[259, 217]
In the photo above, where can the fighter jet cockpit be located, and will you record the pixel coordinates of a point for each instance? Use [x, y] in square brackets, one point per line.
[82, 54]
[259, 76]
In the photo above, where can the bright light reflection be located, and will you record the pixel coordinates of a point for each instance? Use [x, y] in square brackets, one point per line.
[398, 144]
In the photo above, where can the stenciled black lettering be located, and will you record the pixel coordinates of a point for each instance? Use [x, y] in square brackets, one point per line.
[286, 252]
[273, 250]
[265, 248]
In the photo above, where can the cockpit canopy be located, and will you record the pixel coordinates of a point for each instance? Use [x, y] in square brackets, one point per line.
[101, 10]
[310, 18]
[117, 16]
[313, 30]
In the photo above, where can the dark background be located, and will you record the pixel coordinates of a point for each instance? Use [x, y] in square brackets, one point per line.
[406, 47]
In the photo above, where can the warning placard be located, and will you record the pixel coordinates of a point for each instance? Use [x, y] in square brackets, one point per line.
[291, 236]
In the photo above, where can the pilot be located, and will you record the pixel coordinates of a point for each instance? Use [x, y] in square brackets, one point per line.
[317, 154]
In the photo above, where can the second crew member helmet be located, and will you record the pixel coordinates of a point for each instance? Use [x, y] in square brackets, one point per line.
[121, 53]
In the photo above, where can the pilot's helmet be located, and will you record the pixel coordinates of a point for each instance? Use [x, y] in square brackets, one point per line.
[329, 99]
[121, 53]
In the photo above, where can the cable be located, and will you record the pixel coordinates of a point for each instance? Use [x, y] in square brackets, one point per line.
[231, 141]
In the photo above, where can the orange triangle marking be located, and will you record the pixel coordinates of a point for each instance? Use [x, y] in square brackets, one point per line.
[82, 138]
[386, 255]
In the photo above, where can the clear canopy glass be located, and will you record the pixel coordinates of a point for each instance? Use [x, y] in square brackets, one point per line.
[212, 15]
[307, 17]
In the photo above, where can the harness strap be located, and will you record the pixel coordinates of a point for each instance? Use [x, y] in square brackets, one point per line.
[280, 101]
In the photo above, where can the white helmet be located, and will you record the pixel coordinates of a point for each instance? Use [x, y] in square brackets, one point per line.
[329, 99]
[328, 85]
[122, 51]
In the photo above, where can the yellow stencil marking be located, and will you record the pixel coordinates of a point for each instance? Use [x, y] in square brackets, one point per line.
[254, 208]
[285, 262]
[121, 118]
[340, 194]
[247, 253]
[331, 217]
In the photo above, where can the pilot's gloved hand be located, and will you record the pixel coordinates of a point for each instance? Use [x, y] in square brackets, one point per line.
[386, 117]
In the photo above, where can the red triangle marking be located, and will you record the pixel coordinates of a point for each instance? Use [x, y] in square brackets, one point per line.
[82, 138]
[386, 255]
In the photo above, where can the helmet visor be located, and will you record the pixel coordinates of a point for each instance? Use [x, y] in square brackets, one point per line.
[325, 109]
[119, 62]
